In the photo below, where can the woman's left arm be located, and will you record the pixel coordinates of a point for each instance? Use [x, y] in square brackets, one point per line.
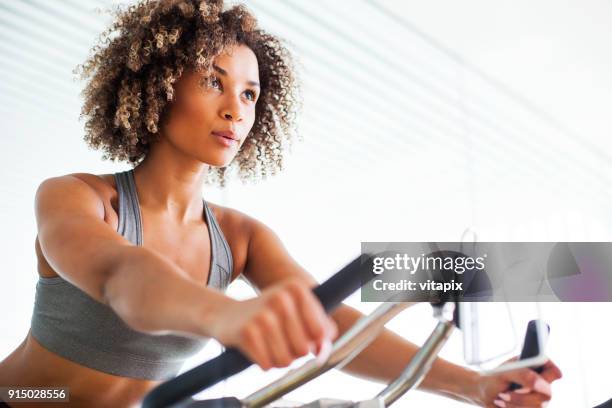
[269, 262]
[387, 356]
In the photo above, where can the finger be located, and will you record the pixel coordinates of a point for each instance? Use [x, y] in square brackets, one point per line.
[551, 371]
[511, 405]
[529, 379]
[312, 313]
[294, 332]
[332, 328]
[533, 399]
[275, 341]
[255, 349]
[504, 404]
[331, 331]
[324, 351]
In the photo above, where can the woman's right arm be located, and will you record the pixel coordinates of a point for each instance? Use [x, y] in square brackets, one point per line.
[149, 292]
[152, 294]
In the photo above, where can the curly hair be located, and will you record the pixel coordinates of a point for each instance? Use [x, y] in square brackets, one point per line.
[131, 71]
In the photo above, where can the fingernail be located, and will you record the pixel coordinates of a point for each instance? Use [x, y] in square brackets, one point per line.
[523, 390]
[499, 403]
[326, 348]
[504, 395]
[541, 384]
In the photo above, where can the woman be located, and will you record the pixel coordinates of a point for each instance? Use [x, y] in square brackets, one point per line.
[133, 265]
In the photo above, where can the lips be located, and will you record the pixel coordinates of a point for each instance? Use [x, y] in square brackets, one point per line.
[228, 134]
[227, 138]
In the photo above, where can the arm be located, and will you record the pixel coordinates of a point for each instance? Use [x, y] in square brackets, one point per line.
[138, 284]
[152, 294]
[386, 357]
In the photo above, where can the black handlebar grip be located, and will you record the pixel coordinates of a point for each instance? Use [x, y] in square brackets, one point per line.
[330, 293]
[530, 349]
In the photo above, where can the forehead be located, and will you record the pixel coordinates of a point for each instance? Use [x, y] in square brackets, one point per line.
[239, 62]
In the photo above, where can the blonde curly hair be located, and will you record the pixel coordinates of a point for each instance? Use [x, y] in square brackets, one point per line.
[131, 71]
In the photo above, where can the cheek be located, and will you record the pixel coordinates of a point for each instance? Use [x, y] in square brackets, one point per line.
[193, 113]
[198, 107]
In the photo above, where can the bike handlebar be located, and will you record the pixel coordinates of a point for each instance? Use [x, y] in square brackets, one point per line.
[330, 293]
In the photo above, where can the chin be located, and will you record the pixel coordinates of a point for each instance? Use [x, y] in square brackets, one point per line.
[217, 160]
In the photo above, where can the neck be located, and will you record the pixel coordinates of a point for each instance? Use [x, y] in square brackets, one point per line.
[171, 184]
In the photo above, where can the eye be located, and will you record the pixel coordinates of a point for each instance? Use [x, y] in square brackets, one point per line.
[214, 82]
[210, 82]
[251, 95]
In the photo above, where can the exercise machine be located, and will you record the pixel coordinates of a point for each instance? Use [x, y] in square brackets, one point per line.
[178, 392]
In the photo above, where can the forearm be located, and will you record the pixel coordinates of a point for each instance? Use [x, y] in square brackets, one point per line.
[151, 294]
[387, 356]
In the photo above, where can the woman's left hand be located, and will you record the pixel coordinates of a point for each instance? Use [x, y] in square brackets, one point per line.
[535, 392]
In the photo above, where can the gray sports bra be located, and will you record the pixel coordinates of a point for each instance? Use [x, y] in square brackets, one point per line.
[72, 324]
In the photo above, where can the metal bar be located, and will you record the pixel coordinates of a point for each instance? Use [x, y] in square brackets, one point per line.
[420, 364]
[362, 333]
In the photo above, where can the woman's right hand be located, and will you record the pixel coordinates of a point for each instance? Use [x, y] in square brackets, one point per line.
[285, 322]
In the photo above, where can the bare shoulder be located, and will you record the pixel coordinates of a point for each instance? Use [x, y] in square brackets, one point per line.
[101, 184]
[263, 258]
[82, 188]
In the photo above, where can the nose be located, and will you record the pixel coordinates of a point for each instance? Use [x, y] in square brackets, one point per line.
[231, 109]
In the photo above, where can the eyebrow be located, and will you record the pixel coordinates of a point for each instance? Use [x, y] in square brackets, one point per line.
[224, 72]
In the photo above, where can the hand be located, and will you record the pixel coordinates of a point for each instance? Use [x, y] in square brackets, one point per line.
[284, 323]
[535, 392]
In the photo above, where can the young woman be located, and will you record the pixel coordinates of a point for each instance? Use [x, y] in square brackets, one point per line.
[133, 265]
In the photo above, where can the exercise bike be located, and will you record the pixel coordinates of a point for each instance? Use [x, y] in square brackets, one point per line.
[178, 392]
